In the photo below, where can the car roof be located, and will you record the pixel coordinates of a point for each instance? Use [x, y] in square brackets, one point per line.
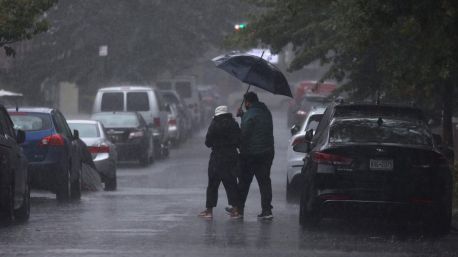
[374, 110]
[32, 109]
[114, 113]
[83, 121]
[123, 88]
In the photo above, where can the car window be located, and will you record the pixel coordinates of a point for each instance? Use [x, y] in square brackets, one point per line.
[184, 89]
[313, 122]
[64, 126]
[117, 120]
[31, 121]
[137, 102]
[375, 130]
[85, 129]
[112, 102]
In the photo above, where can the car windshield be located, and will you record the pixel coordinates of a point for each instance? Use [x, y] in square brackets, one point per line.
[137, 101]
[29, 121]
[117, 120]
[86, 130]
[377, 130]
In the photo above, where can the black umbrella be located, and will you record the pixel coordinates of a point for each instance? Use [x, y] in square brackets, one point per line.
[256, 71]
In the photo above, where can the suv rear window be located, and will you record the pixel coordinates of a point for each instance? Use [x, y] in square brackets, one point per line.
[370, 130]
[29, 121]
[112, 102]
[85, 129]
[184, 89]
[137, 102]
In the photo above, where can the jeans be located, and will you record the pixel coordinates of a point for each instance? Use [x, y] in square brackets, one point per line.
[257, 165]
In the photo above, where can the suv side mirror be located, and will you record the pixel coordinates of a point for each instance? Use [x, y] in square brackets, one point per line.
[302, 147]
[20, 136]
[76, 134]
[294, 129]
[309, 135]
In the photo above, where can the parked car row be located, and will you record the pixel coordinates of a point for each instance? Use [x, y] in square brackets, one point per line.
[365, 159]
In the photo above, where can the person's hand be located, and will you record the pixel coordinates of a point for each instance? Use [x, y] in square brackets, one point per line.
[239, 112]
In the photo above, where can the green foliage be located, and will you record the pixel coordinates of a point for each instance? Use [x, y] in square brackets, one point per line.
[144, 39]
[20, 20]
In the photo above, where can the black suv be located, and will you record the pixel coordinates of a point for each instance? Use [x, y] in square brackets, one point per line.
[14, 179]
[375, 159]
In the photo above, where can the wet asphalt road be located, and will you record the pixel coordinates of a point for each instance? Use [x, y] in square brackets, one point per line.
[154, 213]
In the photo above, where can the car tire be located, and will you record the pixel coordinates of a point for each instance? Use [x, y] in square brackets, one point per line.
[309, 214]
[76, 186]
[111, 184]
[63, 191]
[7, 214]
[23, 213]
[440, 220]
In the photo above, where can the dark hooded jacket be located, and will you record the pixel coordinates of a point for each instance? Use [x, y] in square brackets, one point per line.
[223, 133]
[257, 130]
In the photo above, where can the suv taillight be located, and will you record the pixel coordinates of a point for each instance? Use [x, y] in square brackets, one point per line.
[99, 149]
[326, 158]
[52, 140]
[173, 122]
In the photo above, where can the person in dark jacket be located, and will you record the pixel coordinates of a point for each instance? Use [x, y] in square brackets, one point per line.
[223, 137]
[256, 152]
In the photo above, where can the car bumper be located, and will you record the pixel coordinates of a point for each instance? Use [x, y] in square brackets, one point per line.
[131, 151]
[105, 165]
[44, 175]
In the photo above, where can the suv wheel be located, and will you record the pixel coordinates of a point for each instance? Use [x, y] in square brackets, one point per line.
[76, 186]
[309, 214]
[23, 213]
[64, 186]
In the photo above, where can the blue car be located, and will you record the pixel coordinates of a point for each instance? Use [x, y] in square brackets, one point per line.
[52, 150]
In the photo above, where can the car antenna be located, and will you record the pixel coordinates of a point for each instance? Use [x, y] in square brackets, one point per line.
[380, 121]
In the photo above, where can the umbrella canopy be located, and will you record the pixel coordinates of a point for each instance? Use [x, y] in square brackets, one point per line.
[255, 71]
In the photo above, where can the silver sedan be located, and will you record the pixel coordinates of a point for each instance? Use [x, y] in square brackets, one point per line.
[104, 153]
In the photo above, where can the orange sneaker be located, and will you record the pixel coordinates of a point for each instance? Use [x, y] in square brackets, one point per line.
[207, 214]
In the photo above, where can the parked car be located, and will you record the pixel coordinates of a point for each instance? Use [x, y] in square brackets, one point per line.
[171, 97]
[186, 87]
[176, 125]
[142, 99]
[210, 100]
[130, 133]
[375, 159]
[308, 102]
[14, 177]
[103, 151]
[52, 151]
[295, 159]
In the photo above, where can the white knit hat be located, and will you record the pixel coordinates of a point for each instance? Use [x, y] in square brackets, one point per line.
[220, 110]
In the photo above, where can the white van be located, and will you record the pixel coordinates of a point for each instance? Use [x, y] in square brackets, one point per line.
[142, 99]
[187, 89]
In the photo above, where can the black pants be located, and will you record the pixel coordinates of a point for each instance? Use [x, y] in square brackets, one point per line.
[256, 165]
[220, 169]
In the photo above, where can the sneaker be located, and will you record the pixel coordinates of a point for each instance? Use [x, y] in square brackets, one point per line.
[229, 210]
[207, 214]
[266, 215]
[235, 214]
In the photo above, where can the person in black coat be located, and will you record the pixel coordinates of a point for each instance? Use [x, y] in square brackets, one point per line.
[223, 137]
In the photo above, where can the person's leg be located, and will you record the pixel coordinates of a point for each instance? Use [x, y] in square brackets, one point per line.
[245, 179]
[213, 183]
[263, 164]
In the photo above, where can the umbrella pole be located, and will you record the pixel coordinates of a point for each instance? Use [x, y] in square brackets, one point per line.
[249, 85]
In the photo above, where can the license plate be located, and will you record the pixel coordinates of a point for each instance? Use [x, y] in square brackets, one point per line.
[381, 164]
